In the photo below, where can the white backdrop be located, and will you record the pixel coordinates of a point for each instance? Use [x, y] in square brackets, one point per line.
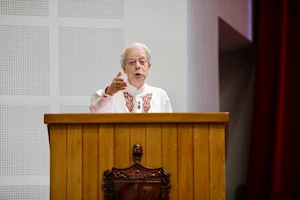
[55, 53]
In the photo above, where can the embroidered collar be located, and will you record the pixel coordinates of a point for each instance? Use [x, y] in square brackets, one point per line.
[133, 91]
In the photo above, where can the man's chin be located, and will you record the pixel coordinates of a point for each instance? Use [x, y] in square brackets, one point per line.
[136, 79]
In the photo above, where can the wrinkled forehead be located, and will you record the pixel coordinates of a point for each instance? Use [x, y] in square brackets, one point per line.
[135, 53]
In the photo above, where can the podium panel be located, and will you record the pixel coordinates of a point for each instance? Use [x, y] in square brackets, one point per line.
[190, 146]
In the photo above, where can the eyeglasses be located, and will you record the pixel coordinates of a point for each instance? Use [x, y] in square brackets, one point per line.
[132, 63]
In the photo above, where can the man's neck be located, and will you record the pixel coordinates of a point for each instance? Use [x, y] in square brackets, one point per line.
[137, 84]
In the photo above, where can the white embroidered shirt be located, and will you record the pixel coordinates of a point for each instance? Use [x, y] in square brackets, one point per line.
[145, 100]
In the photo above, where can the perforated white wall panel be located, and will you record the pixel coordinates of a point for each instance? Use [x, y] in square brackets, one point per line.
[24, 192]
[48, 65]
[112, 9]
[24, 60]
[86, 56]
[24, 147]
[25, 7]
[74, 109]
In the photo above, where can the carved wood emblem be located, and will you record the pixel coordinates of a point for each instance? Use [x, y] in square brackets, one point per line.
[147, 190]
[136, 182]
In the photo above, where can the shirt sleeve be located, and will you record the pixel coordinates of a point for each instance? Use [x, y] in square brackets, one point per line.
[168, 107]
[101, 102]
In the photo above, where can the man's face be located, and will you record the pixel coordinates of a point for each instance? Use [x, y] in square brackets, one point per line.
[136, 64]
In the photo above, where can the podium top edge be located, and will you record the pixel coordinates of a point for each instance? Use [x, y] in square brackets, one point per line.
[113, 118]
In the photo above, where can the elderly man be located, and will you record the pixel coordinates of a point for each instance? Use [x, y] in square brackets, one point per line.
[133, 95]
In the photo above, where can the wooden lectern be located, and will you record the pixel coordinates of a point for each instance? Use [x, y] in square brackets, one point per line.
[191, 146]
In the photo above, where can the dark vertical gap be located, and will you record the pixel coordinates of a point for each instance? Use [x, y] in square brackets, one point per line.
[177, 160]
[161, 145]
[114, 144]
[98, 163]
[145, 142]
[66, 129]
[82, 160]
[193, 139]
[208, 142]
[130, 144]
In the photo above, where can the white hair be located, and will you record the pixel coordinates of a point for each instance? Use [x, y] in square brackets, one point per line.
[136, 44]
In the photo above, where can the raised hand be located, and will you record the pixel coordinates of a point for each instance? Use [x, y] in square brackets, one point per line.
[116, 85]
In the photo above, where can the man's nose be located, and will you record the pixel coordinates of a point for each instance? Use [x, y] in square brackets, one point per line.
[137, 65]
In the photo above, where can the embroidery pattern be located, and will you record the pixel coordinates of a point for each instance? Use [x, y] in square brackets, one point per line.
[146, 102]
[129, 101]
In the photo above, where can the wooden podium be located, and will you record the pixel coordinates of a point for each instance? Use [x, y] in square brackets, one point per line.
[191, 146]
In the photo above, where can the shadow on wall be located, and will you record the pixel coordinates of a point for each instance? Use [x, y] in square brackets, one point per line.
[236, 78]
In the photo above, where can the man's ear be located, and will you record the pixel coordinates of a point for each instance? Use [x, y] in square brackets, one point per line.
[123, 67]
[149, 65]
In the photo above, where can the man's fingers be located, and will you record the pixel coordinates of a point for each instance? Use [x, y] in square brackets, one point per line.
[122, 88]
[119, 74]
[118, 88]
[121, 83]
[118, 83]
[118, 79]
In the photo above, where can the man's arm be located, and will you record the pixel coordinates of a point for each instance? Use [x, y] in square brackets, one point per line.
[102, 100]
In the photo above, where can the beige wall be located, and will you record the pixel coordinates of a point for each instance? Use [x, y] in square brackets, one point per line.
[202, 47]
[220, 73]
